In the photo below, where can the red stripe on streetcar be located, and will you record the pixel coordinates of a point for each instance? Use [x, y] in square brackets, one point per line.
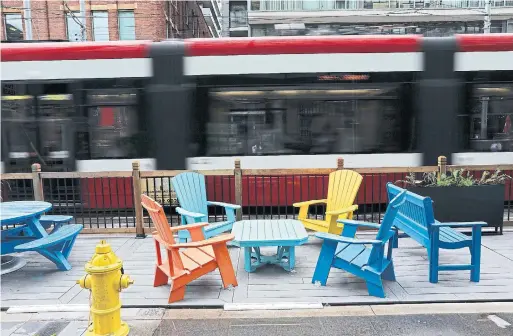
[302, 45]
[73, 51]
[485, 42]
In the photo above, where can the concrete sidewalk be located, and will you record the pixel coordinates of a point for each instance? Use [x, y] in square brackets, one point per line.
[40, 283]
[429, 319]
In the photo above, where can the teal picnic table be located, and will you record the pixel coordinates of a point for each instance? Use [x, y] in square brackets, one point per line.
[29, 234]
[284, 234]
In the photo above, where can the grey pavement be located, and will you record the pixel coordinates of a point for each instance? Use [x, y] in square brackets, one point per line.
[397, 320]
[40, 283]
[418, 325]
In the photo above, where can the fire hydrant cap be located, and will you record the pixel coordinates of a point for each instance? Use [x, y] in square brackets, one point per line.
[103, 260]
[103, 247]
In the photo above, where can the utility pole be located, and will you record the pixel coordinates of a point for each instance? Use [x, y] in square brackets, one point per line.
[83, 20]
[27, 13]
[488, 17]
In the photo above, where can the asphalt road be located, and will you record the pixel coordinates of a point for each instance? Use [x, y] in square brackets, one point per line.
[414, 325]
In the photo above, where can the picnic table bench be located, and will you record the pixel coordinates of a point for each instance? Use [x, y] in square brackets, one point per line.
[31, 234]
[56, 220]
[416, 219]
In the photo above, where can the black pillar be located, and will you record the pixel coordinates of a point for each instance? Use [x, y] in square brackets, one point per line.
[439, 99]
[169, 108]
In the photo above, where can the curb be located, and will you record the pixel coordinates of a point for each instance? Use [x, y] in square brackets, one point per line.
[271, 306]
[79, 308]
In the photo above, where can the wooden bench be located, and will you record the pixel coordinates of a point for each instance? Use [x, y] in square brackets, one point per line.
[56, 220]
[416, 219]
[56, 246]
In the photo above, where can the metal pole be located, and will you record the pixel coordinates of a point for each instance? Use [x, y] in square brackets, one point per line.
[83, 20]
[488, 17]
[483, 134]
[27, 13]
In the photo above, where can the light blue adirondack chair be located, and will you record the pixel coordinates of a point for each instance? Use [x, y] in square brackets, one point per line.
[192, 196]
[350, 254]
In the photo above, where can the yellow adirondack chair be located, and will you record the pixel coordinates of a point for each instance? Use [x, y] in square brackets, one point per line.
[342, 189]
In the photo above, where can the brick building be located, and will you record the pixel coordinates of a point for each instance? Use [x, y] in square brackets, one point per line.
[107, 20]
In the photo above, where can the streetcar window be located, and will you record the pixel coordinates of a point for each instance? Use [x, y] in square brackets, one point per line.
[304, 120]
[489, 117]
[55, 113]
[18, 124]
[113, 121]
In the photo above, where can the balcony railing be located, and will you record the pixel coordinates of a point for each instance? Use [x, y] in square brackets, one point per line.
[330, 5]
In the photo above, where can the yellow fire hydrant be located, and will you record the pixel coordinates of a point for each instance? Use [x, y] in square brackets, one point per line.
[105, 279]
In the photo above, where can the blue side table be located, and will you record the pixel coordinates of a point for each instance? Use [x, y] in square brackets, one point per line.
[284, 234]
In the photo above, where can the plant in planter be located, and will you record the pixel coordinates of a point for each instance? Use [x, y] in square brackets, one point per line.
[460, 197]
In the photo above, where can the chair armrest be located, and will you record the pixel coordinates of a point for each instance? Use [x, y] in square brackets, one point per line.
[358, 223]
[459, 224]
[342, 211]
[225, 205]
[184, 212]
[188, 227]
[308, 203]
[221, 239]
[340, 239]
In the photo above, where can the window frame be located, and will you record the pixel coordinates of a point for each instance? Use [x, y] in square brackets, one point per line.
[5, 15]
[68, 16]
[119, 24]
[95, 12]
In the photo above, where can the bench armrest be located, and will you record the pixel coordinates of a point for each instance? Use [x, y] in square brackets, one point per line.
[225, 205]
[308, 203]
[221, 239]
[343, 211]
[458, 224]
[340, 239]
[351, 222]
[187, 213]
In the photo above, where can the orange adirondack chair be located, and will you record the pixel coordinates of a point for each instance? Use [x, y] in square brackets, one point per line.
[187, 261]
[342, 189]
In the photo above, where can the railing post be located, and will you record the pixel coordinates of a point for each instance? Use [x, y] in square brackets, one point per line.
[37, 183]
[237, 171]
[442, 167]
[136, 182]
[340, 163]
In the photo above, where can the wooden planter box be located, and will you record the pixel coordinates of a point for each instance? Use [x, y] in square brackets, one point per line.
[467, 204]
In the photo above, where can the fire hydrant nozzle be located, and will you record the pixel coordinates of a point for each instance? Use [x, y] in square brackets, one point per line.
[105, 280]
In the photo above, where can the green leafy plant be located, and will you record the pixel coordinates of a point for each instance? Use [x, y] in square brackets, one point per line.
[457, 178]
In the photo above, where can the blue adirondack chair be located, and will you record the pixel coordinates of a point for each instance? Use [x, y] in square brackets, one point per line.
[350, 254]
[192, 196]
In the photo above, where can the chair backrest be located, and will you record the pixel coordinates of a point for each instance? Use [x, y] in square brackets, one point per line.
[415, 216]
[191, 193]
[159, 219]
[393, 208]
[342, 189]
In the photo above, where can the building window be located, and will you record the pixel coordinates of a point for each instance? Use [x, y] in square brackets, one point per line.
[100, 26]
[126, 25]
[238, 15]
[13, 27]
[74, 25]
